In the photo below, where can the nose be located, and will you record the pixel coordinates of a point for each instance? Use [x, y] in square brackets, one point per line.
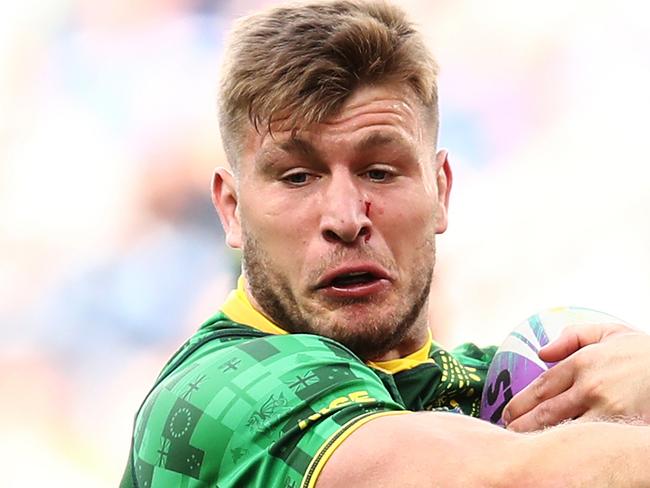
[344, 214]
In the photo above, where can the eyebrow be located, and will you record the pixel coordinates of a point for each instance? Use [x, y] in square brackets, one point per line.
[299, 146]
[304, 148]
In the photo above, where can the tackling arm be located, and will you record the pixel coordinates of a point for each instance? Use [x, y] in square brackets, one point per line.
[454, 451]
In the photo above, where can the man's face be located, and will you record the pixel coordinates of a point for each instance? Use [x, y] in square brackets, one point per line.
[337, 223]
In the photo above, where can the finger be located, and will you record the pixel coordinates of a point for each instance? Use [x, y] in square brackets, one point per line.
[572, 339]
[565, 406]
[549, 384]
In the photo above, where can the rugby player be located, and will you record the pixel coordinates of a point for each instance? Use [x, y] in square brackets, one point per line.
[319, 370]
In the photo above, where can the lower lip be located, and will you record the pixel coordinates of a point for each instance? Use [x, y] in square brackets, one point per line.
[362, 290]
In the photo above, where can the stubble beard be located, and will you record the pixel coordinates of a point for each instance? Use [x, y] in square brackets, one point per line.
[378, 334]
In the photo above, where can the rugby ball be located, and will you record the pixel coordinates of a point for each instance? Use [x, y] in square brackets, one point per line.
[516, 363]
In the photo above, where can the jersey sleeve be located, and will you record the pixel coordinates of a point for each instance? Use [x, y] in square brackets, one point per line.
[264, 412]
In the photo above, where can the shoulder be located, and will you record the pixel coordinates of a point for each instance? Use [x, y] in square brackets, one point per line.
[238, 408]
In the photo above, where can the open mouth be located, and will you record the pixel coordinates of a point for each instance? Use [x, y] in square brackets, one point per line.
[354, 282]
[349, 280]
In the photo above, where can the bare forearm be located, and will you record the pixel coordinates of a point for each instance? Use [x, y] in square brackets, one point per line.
[572, 455]
[594, 455]
[448, 450]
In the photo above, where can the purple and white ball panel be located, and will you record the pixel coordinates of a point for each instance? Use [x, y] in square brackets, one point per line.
[516, 363]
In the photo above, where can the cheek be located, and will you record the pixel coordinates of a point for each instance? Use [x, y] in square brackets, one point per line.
[267, 201]
[405, 211]
[405, 222]
[277, 227]
[274, 229]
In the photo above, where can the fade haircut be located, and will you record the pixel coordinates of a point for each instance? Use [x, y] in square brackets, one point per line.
[301, 62]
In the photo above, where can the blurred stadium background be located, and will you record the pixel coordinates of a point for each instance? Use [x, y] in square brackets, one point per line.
[110, 252]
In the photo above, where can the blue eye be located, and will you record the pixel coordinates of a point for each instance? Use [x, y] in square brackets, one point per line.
[298, 179]
[378, 175]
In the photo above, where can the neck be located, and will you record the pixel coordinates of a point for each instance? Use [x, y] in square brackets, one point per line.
[417, 337]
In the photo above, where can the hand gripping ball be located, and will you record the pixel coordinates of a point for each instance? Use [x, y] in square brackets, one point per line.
[516, 363]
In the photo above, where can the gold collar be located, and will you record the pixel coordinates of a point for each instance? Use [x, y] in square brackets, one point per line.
[239, 309]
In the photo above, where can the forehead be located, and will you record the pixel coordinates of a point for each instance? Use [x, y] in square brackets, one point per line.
[372, 116]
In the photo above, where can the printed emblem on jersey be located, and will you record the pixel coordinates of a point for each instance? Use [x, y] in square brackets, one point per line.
[237, 453]
[286, 446]
[172, 380]
[143, 473]
[176, 452]
[193, 386]
[322, 378]
[357, 397]
[302, 381]
[260, 420]
[230, 365]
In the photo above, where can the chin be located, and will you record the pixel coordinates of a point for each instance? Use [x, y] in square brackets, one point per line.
[367, 333]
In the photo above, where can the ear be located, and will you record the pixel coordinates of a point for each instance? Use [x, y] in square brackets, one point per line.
[443, 183]
[224, 198]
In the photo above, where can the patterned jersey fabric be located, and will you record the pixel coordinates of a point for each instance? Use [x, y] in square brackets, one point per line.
[243, 404]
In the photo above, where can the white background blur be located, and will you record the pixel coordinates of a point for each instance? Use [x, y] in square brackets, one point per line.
[110, 253]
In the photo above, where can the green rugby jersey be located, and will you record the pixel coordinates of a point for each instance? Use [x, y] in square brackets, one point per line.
[244, 404]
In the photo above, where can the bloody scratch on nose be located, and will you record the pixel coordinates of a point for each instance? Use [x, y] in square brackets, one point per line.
[367, 236]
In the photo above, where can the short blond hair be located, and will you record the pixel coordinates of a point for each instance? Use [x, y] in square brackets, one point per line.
[301, 62]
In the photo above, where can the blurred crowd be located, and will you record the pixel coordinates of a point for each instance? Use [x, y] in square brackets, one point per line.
[111, 253]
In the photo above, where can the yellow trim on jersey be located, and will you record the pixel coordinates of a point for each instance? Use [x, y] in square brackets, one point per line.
[327, 449]
[238, 308]
[414, 359]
